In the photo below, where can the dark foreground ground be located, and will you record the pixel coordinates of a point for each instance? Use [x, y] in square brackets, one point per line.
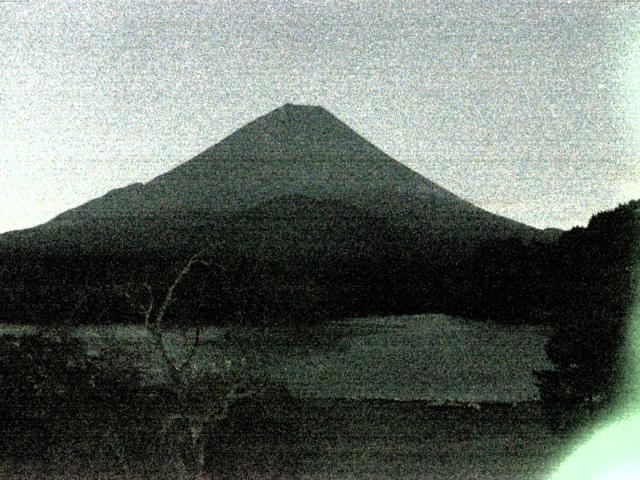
[335, 439]
[411, 440]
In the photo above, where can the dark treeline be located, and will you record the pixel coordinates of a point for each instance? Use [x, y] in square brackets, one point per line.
[599, 265]
[582, 285]
[585, 270]
[305, 270]
[244, 289]
[303, 273]
[236, 287]
[293, 261]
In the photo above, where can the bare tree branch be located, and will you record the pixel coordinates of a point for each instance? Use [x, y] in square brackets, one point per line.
[174, 374]
[192, 351]
[147, 311]
[153, 321]
[169, 296]
[144, 311]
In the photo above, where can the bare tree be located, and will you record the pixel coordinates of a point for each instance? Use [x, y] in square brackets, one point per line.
[182, 373]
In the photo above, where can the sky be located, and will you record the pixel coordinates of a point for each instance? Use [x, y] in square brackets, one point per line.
[529, 109]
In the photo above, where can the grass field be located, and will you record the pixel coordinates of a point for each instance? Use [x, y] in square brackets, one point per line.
[373, 439]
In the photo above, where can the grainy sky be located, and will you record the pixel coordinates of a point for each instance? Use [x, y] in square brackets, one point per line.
[530, 109]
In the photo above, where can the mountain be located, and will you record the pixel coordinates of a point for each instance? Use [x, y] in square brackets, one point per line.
[293, 150]
[293, 191]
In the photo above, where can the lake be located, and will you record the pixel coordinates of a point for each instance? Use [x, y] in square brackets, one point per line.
[418, 357]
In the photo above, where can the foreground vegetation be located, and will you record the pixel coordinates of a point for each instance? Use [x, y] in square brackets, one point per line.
[90, 410]
[63, 408]
[85, 430]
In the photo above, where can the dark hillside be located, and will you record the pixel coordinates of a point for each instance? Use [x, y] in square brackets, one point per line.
[584, 270]
[597, 285]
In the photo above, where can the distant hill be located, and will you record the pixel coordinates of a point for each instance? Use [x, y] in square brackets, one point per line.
[296, 193]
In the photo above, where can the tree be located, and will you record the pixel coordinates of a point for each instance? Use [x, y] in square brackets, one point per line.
[51, 388]
[202, 398]
[596, 277]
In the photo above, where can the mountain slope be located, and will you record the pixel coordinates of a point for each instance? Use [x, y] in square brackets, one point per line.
[292, 150]
[296, 150]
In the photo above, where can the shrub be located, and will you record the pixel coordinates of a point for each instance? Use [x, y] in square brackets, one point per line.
[51, 389]
[213, 411]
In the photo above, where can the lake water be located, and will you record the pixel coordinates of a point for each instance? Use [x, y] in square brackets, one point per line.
[424, 357]
[421, 357]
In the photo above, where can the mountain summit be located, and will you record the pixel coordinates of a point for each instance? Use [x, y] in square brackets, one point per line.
[295, 132]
